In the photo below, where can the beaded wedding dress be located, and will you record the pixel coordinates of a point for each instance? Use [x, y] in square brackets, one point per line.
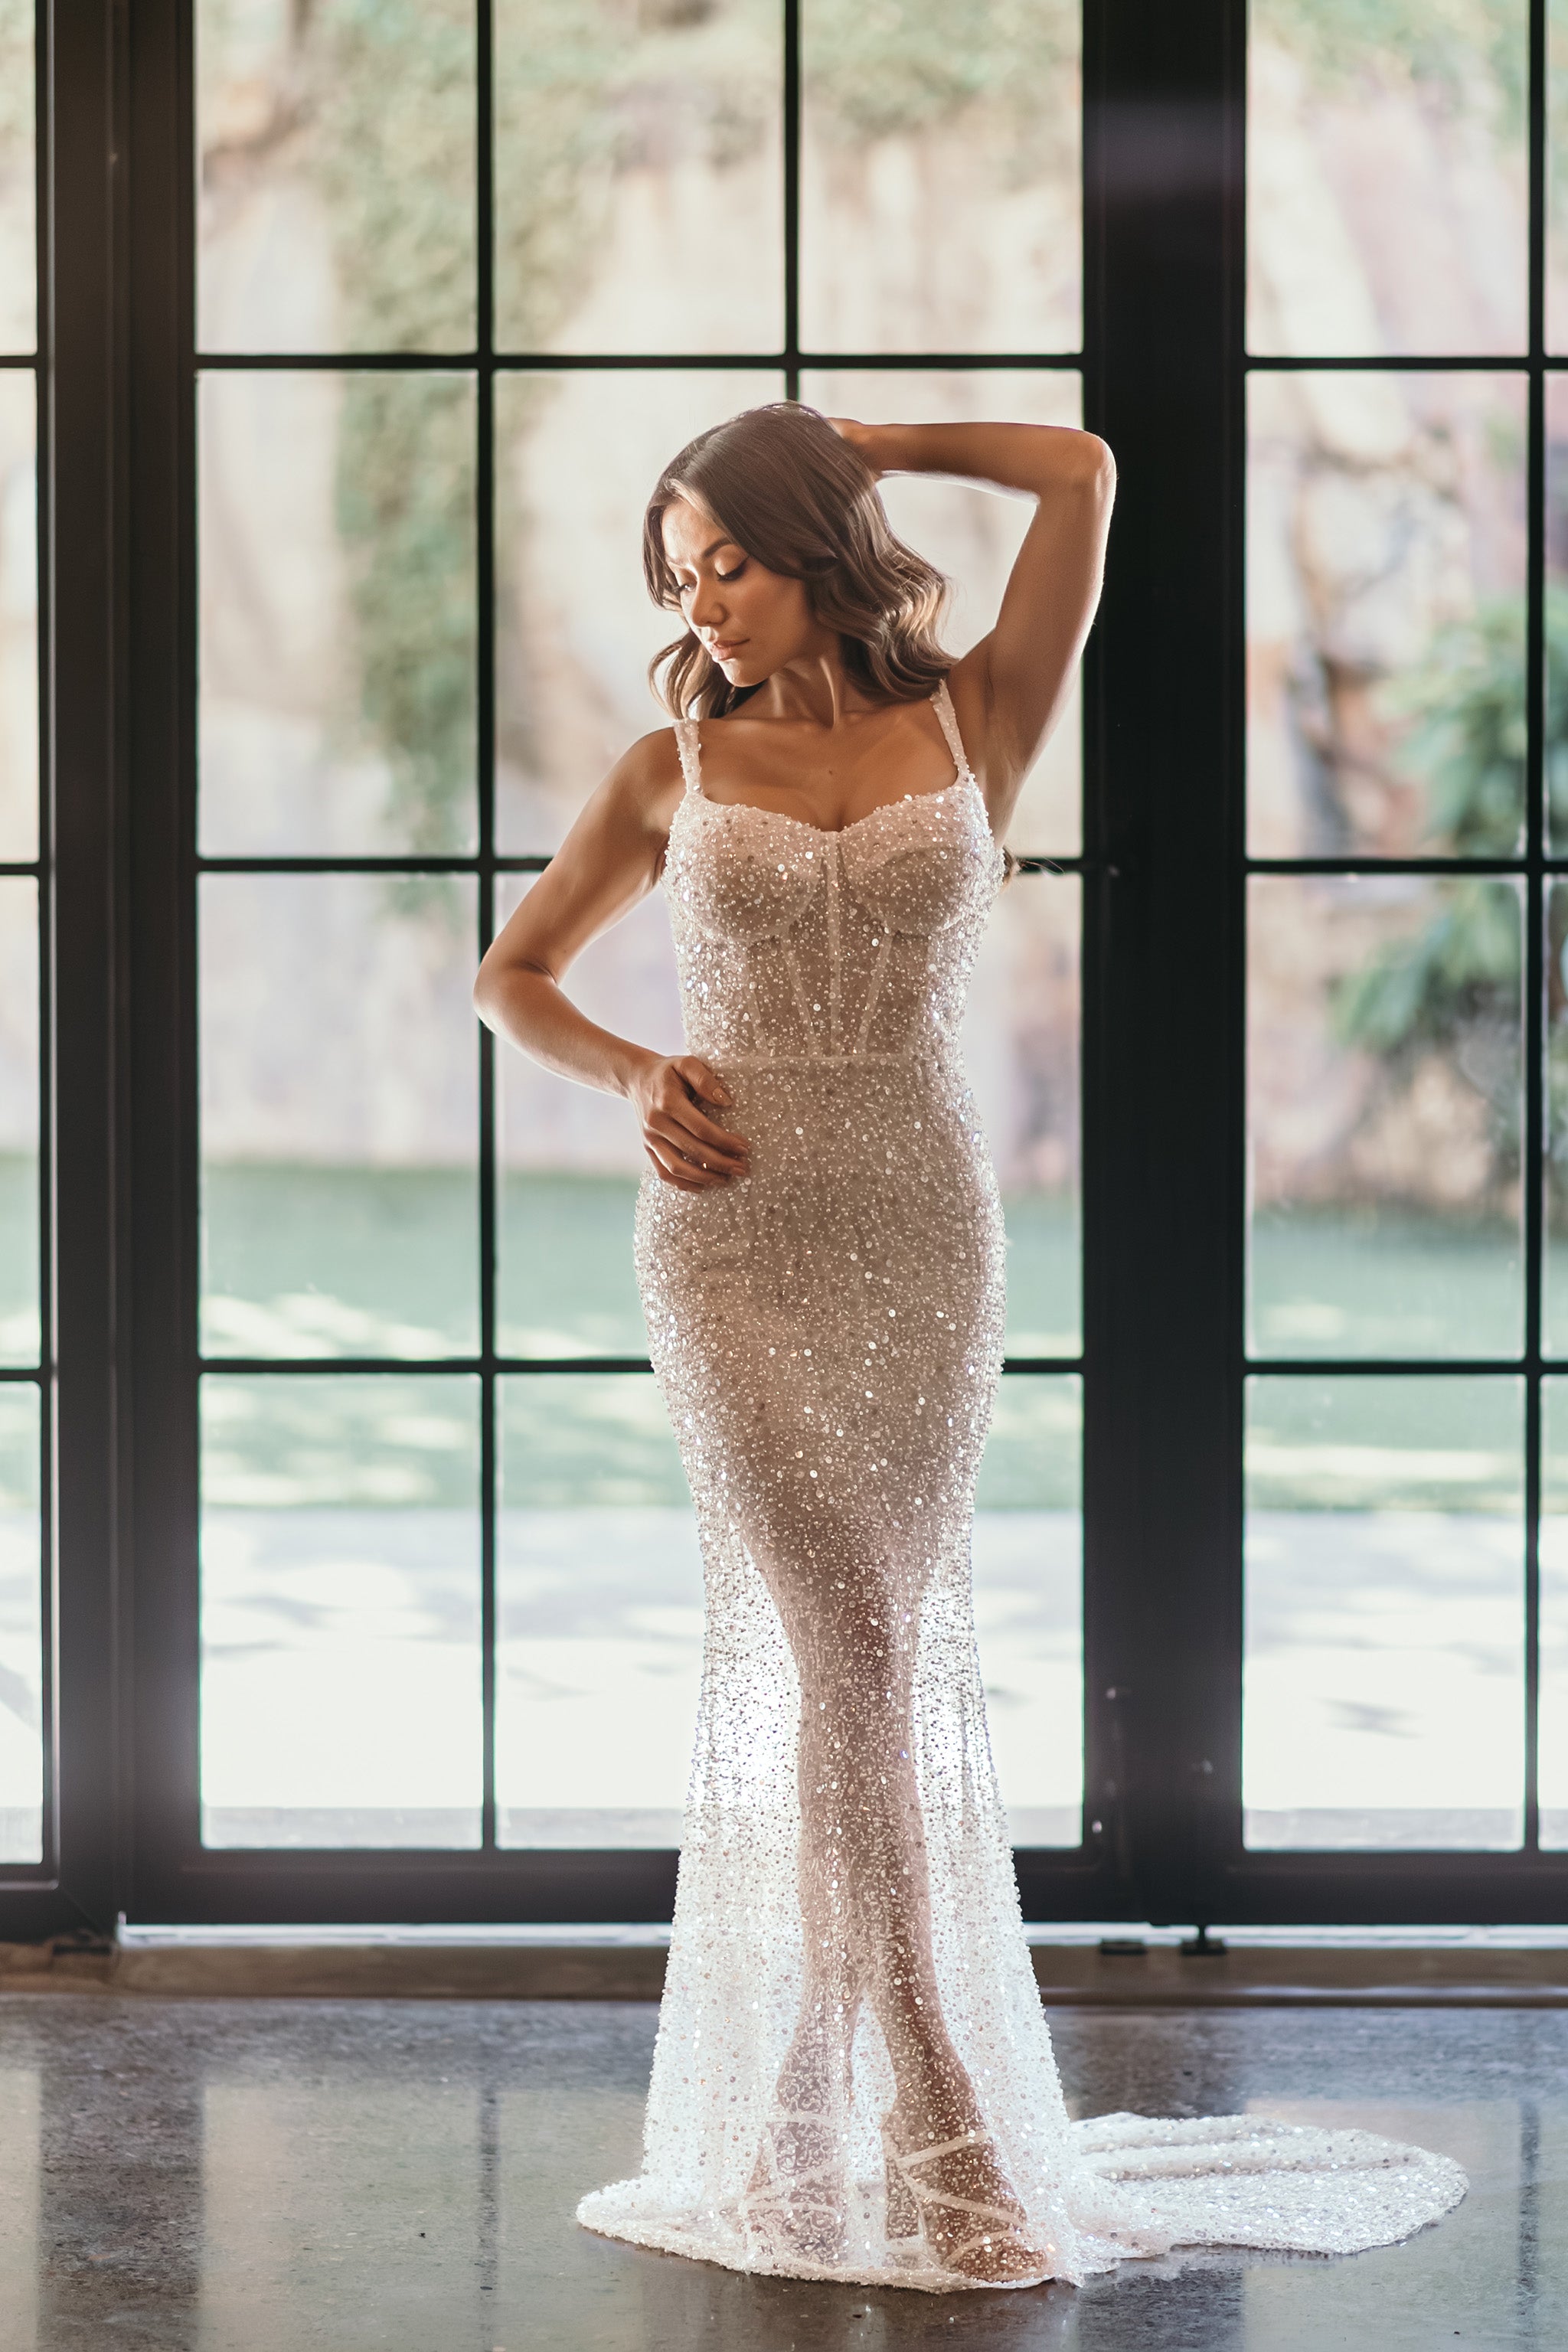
[828, 1334]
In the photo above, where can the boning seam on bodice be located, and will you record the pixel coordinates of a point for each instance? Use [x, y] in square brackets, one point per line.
[835, 992]
[796, 978]
[873, 988]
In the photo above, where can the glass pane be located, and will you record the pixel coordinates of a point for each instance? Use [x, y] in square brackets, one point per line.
[1384, 1103]
[1387, 201]
[21, 1629]
[18, 616]
[639, 185]
[19, 1332]
[1555, 1284]
[1029, 1604]
[973, 537]
[339, 1115]
[18, 181]
[1383, 1677]
[1556, 177]
[337, 176]
[941, 187]
[337, 613]
[1385, 615]
[1556, 614]
[1021, 1049]
[339, 1611]
[571, 1157]
[1554, 1736]
[599, 1602]
[577, 457]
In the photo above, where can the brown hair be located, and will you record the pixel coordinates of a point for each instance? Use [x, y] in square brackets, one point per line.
[803, 502]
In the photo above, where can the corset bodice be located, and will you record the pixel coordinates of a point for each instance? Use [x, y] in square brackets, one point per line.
[793, 943]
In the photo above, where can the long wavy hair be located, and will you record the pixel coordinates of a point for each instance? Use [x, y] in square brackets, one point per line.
[803, 502]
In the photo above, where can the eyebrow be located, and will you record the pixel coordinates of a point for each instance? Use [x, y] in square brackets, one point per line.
[712, 549]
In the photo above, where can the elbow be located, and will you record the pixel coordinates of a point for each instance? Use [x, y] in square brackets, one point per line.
[484, 990]
[503, 985]
[1096, 466]
[1074, 464]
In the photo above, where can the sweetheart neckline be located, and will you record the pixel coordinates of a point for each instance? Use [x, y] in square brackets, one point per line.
[838, 832]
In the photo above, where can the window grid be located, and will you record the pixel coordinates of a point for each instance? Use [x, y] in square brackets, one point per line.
[484, 362]
[1534, 866]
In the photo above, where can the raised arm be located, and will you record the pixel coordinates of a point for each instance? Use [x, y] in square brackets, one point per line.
[609, 860]
[1011, 687]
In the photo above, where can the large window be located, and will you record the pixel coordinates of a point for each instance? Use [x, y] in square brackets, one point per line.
[346, 1569]
[1405, 1684]
[465, 280]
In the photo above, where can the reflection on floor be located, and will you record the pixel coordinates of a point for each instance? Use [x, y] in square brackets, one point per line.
[257, 2177]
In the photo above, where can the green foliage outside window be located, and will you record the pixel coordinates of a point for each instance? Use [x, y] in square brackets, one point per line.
[1435, 44]
[16, 80]
[1453, 985]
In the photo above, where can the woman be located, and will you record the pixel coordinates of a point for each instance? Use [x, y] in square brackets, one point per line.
[853, 2077]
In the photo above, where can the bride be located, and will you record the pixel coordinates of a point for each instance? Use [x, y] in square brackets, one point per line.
[853, 2078]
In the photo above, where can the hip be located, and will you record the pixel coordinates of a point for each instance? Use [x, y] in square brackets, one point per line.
[843, 1186]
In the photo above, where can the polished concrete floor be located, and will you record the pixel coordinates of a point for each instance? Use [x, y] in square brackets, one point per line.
[233, 2176]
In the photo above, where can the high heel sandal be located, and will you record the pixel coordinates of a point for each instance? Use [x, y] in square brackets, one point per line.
[912, 2206]
[798, 2211]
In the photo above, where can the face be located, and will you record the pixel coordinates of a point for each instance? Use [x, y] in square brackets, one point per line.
[752, 621]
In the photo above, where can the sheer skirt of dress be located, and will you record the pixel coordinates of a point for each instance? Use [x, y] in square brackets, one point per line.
[827, 1336]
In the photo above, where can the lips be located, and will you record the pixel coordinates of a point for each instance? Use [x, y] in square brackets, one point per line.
[722, 647]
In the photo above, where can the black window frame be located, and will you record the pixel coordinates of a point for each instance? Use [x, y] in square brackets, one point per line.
[72, 1891]
[1163, 871]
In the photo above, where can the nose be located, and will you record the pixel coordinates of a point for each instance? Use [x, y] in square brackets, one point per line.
[707, 607]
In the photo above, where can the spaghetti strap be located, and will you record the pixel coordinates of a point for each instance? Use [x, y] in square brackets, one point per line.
[690, 750]
[949, 717]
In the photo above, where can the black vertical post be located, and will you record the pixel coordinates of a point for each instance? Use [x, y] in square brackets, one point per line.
[1164, 95]
[84, 848]
[792, 47]
[1532, 1164]
[484, 553]
[160, 1187]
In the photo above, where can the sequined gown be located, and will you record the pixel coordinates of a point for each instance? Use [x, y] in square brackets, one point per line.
[828, 1335]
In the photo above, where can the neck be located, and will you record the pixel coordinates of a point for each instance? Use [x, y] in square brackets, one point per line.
[814, 686]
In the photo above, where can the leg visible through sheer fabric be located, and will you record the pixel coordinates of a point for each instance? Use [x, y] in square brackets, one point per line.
[849, 1597]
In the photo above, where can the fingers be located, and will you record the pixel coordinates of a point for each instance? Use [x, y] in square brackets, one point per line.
[672, 1138]
[695, 1081]
[715, 1142]
[682, 1175]
[685, 1149]
[668, 1175]
[702, 1081]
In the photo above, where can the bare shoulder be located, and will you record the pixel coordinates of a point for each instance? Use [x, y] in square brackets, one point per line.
[645, 783]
